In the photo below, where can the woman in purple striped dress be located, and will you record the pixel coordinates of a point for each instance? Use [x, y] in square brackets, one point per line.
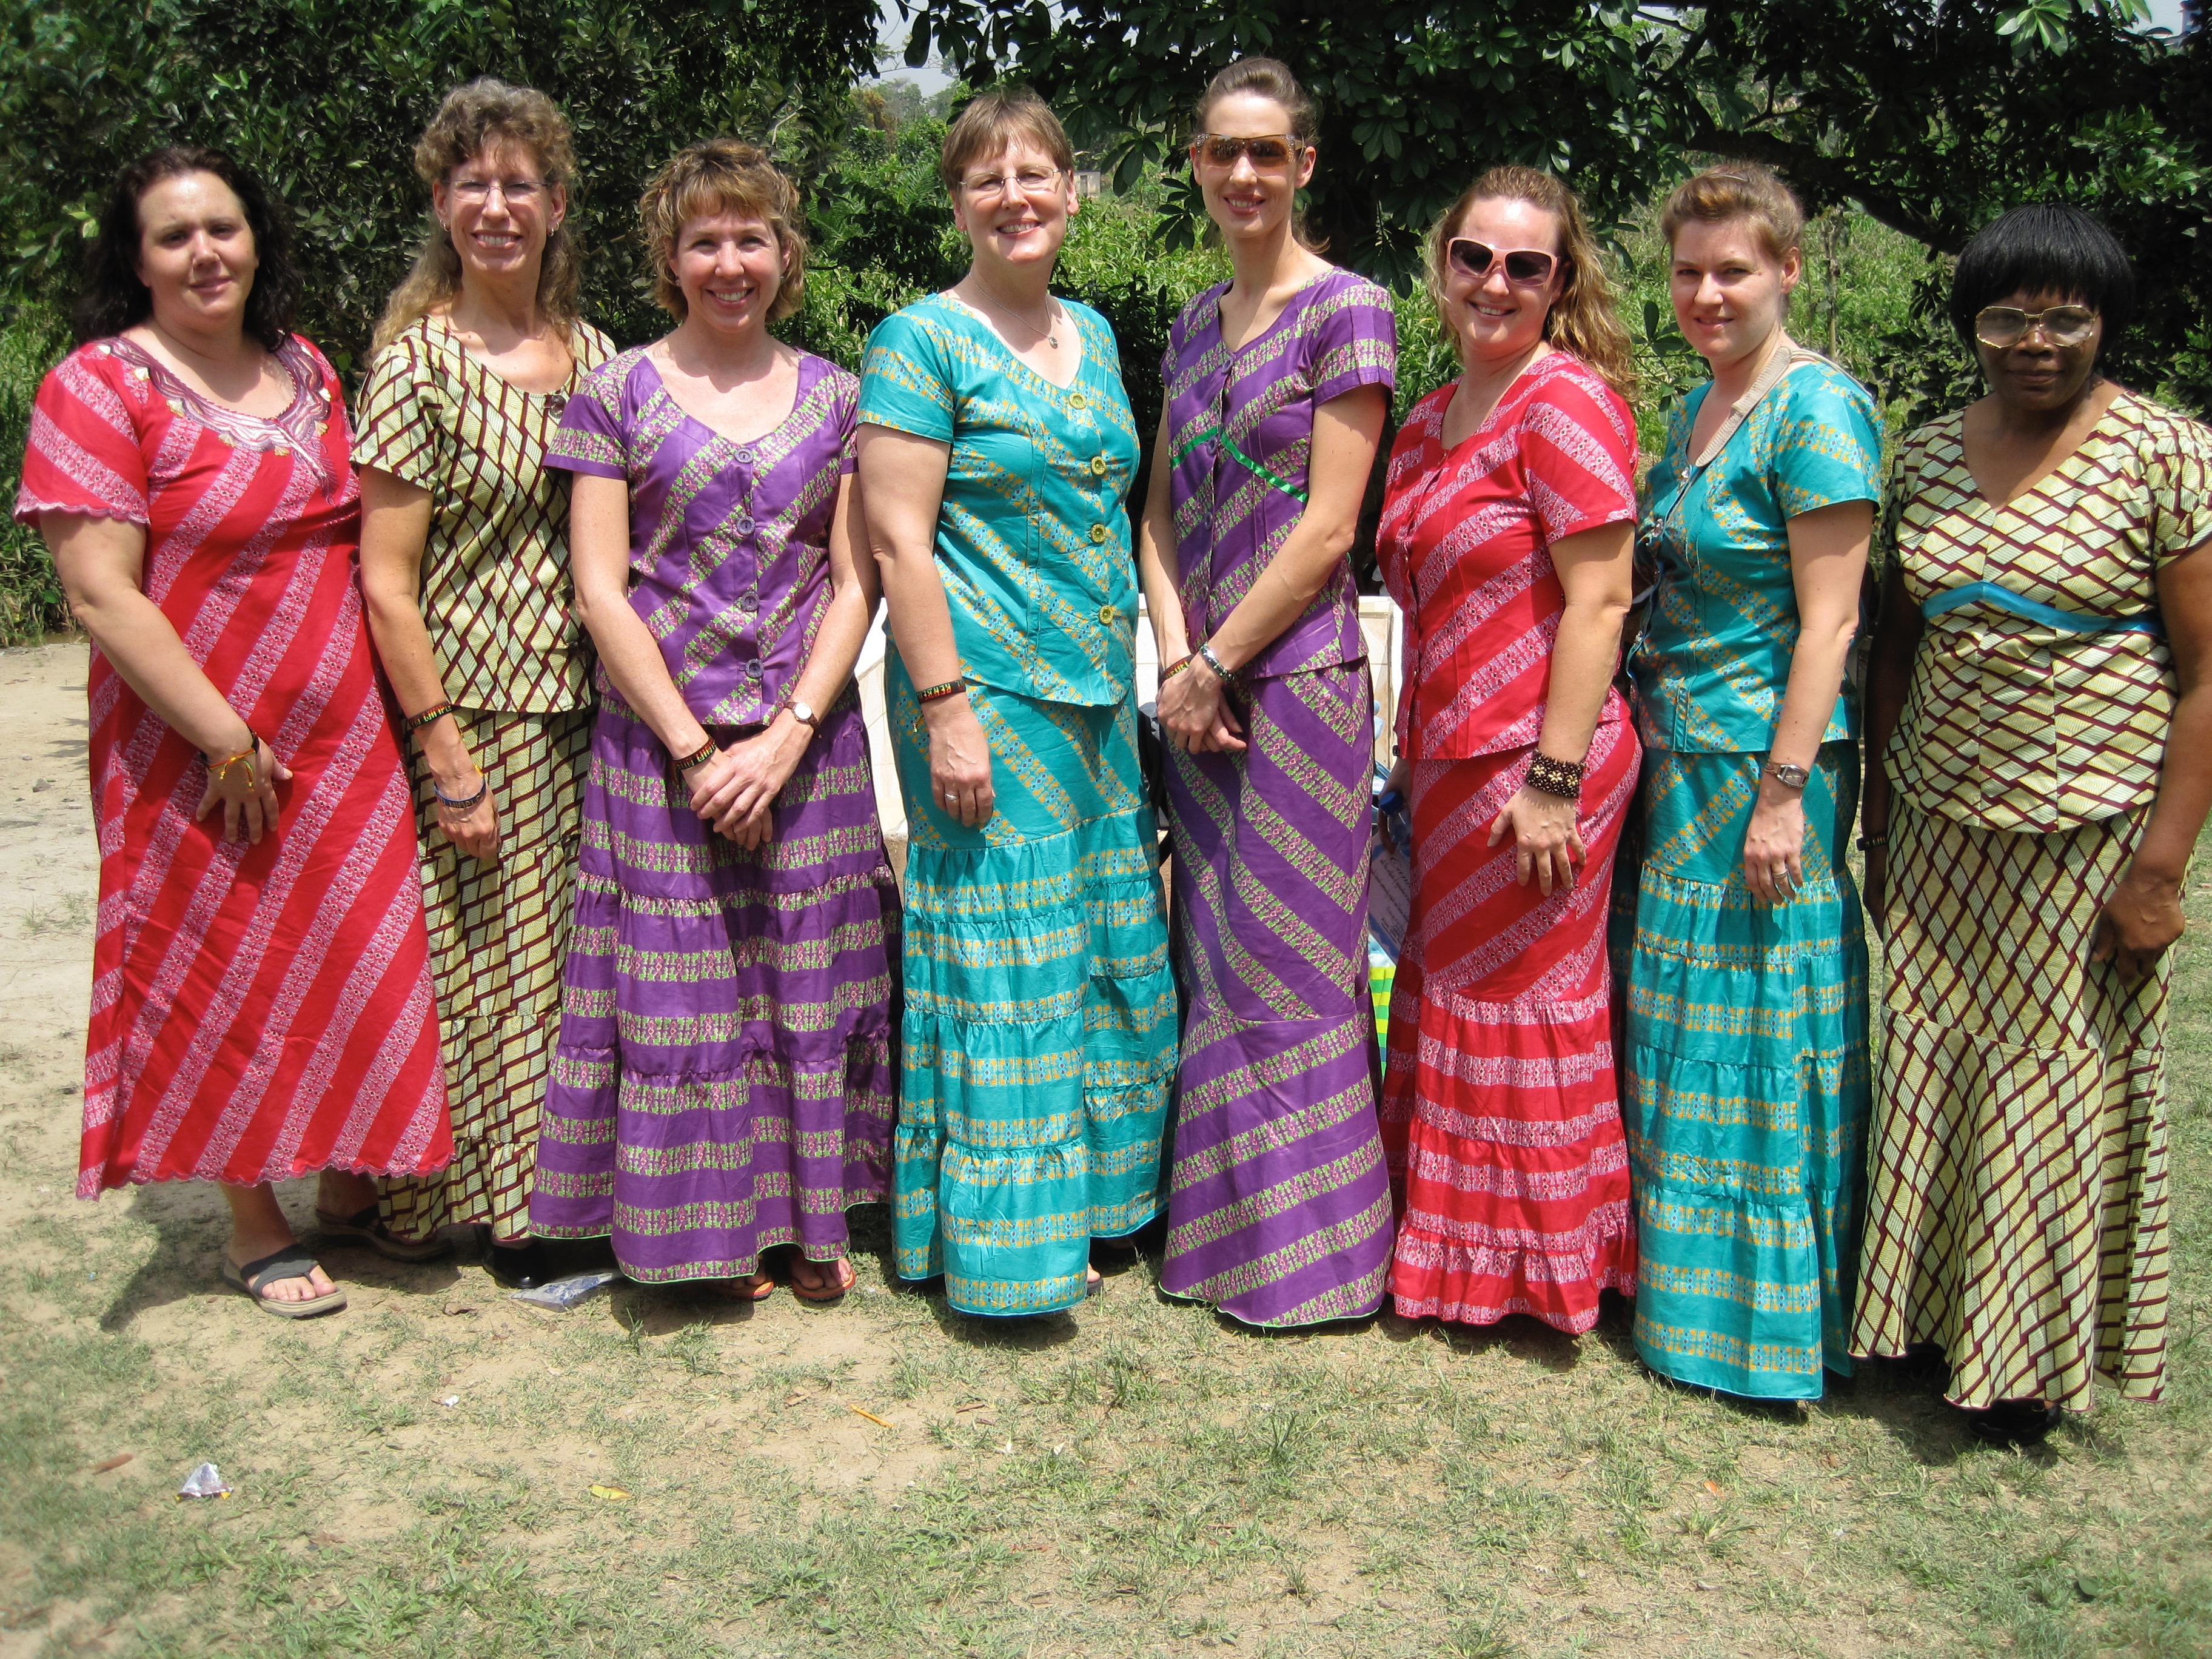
[725, 1079]
[1277, 383]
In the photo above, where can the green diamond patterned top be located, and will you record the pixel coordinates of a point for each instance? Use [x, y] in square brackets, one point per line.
[496, 588]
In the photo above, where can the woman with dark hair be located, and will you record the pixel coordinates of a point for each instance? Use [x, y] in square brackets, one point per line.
[1277, 385]
[1744, 1071]
[2041, 698]
[997, 446]
[262, 1004]
[1507, 536]
[725, 1082]
[465, 559]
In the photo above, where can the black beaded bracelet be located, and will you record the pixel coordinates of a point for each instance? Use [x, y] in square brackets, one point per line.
[1226, 675]
[1556, 777]
[1879, 838]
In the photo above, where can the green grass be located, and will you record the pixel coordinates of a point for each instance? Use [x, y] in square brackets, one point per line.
[1140, 1478]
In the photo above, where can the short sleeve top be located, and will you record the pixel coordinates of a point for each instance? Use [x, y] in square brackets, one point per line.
[1032, 540]
[1465, 545]
[1713, 661]
[1240, 432]
[495, 585]
[2043, 690]
[729, 542]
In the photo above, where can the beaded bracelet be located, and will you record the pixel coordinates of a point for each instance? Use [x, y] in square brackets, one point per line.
[699, 757]
[1176, 666]
[435, 712]
[1556, 777]
[1205, 655]
[1879, 838]
[938, 692]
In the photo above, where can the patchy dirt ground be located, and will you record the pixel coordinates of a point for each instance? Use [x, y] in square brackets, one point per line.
[442, 1471]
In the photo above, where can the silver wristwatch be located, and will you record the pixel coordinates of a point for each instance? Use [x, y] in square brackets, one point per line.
[802, 712]
[1789, 776]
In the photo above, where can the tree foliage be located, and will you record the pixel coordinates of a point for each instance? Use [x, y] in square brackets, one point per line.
[1933, 115]
[324, 98]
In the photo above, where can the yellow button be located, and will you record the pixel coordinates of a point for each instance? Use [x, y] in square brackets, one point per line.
[1097, 532]
[1078, 401]
[1097, 466]
[1107, 613]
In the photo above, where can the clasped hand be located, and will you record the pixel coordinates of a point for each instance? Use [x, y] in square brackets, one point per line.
[736, 791]
[1194, 713]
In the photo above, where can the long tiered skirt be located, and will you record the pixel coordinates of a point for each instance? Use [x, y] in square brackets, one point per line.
[499, 936]
[1278, 1210]
[2018, 1216]
[725, 1081]
[1500, 1117]
[1040, 1024]
[1744, 1081]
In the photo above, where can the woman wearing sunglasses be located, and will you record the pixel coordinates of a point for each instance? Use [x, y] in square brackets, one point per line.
[1745, 1064]
[1277, 383]
[2040, 698]
[1506, 536]
[996, 448]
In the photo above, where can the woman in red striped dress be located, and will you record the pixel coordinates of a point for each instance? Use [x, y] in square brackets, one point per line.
[1506, 538]
[261, 1003]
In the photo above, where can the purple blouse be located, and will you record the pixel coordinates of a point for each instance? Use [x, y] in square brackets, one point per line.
[1240, 431]
[729, 548]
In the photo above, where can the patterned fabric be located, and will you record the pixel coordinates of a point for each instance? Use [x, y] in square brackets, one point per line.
[257, 1011]
[1278, 1210]
[1040, 1029]
[2019, 1210]
[2012, 723]
[496, 589]
[1500, 1117]
[724, 1082]
[1744, 1081]
[729, 553]
[1032, 542]
[499, 934]
[1464, 546]
[1230, 410]
[1713, 661]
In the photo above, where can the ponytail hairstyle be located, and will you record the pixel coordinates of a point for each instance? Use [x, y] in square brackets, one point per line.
[1740, 192]
[485, 114]
[1582, 320]
[1270, 78]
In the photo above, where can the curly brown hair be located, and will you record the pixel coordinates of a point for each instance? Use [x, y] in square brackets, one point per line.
[1584, 319]
[717, 176]
[482, 115]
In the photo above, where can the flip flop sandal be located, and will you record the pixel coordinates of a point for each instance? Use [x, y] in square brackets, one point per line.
[759, 1292]
[292, 1262]
[364, 1225]
[846, 1279]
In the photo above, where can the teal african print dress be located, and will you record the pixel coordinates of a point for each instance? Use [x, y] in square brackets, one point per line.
[1744, 1077]
[1040, 1027]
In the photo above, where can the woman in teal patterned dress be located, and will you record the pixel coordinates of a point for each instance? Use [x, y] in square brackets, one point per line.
[996, 446]
[1745, 1083]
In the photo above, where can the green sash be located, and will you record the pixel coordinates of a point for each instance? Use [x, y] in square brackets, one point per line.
[1230, 444]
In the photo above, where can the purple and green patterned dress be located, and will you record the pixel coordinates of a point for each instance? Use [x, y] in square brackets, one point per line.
[725, 1075]
[1278, 1208]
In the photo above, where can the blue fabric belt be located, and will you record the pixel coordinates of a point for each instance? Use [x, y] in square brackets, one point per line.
[2018, 605]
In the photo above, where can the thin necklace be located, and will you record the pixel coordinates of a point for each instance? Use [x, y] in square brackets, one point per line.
[1050, 333]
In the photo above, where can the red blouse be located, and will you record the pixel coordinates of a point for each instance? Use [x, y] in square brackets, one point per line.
[1465, 547]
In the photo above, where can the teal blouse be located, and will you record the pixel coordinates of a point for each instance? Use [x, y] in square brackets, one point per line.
[1032, 542]
[1713, 661]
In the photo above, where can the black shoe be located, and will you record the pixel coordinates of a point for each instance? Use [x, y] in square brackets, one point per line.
[518, 1267]
[2013, 1422]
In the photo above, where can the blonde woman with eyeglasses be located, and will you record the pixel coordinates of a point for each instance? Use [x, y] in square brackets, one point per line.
[1278, 384]
[2041, 704]
[996, 449]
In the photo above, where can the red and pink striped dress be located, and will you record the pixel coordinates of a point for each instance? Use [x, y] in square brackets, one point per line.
[259, 1011]
[1501, 1119]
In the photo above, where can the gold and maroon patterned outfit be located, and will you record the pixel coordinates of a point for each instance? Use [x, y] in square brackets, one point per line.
[496, 593]
[2018, 1212]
